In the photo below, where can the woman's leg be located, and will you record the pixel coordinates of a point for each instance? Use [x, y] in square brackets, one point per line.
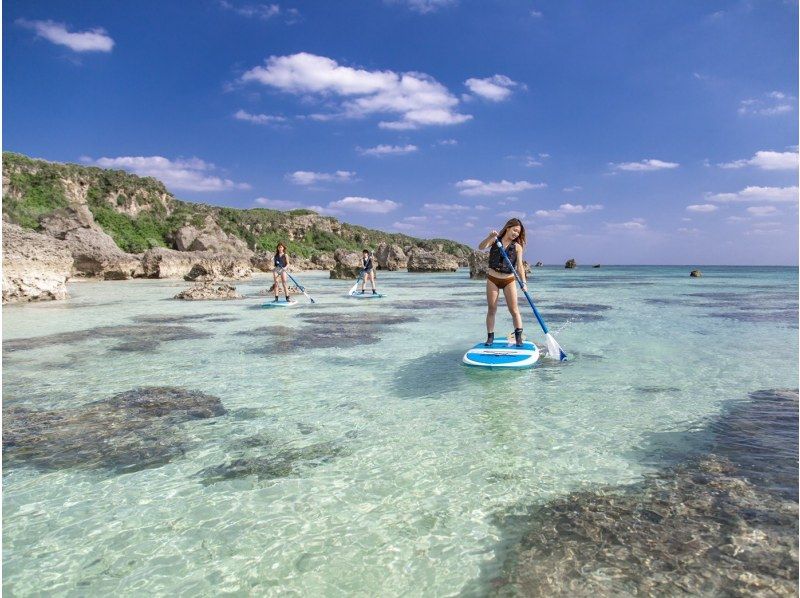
[285, 287]
[372, 279]
[510, 292]
[275, 285]
[492, 293]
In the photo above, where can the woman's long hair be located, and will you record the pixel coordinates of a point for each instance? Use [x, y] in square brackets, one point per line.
[514, 222]
[278, 247]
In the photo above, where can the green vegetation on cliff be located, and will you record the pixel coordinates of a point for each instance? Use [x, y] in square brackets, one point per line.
[139, 212]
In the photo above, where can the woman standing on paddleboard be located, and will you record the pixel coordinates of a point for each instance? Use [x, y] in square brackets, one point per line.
[280, 261]
[369, 271]
[500, 276]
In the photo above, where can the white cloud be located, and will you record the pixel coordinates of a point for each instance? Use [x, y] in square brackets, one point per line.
[418, 99]
[387, 150]
[448, 142]
[703, 207]
[566, 209]
[263, 12]
[477, 187]
[446, 207]
[189, 175]
[757, 194]
[276, 204]
[94, 40]
[571, 189]
[689, 231]
[425, 6]
[635, 225]
[495, 89]
[767, 160]
[536, 14]
[645, 165]
[365, 204]
[762, 210]
[305, 177]
[772, 104]
[258, 119]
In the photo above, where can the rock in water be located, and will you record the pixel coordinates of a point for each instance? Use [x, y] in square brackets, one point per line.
[571, 263]
[348, 264]
[205, 291]
[420, 260]
[391, 257]
[35, 267]
[695, 274]
[478, 264]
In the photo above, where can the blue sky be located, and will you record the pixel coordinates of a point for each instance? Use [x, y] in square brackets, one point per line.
[621, 132]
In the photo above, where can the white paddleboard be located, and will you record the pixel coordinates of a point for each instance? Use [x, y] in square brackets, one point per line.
[502, 354]
[281, 304]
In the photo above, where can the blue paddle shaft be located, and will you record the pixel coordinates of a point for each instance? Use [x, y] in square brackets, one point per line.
[299, 286]
[519, 280]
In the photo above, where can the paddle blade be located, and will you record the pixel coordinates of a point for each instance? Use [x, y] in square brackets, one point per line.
[353, 289]
[554, 350]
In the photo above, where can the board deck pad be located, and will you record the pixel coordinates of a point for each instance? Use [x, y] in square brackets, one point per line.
[369, 295]
[502, 354]
[283, 304]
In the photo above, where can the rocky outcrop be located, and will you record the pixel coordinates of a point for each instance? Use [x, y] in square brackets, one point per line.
[205, 291]
[348, 264]
[293, 290]
[94, 252]
[538, 264]
[420, 260]
[167, 263]
[571, 263]
[596, 266]
[35, 267]
[210, 237]
[478, 264]
[391, 257]
[695, 274]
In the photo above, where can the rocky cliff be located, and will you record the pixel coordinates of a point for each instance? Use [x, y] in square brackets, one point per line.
[116, 225]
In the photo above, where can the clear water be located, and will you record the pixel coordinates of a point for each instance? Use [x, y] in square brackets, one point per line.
[412, 455]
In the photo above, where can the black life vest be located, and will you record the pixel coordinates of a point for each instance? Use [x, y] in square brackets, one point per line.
[496, 261]
[367, 263]
[280, 261]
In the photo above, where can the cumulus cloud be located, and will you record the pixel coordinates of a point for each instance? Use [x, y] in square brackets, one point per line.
[703, 207]
[424, 6]
[93, 40]
[364, 204]
[495, 89]
[387, 150]
[276, 204]
[478, 187]
[446, 207]
[305, 177]
[766, 160]
[757, 194]
[258, 119]
[762, 210]
[448, 142]
[263, 12]
[770, 104]
[566, 209]
[645, 165]
[416, 99]
[189, 175]
[635, 225]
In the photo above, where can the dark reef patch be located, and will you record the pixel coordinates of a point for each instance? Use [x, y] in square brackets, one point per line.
[269, 467]
[780, 316]
[132, 337]
[430, 375]
[128, 432]
[581, 307]
[723, 521]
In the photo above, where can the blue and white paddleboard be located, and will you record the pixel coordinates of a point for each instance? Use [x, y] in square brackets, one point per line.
[502, 354]
[369, 295]
[283, 304]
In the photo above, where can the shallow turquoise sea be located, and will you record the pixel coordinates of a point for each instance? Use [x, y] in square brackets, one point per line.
[353, 453]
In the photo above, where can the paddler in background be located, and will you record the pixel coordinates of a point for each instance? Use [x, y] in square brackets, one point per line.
[368, 271]
[280, 261]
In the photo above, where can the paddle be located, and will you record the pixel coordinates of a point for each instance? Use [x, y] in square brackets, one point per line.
[554, 350]
[355, 286]
[299, 286]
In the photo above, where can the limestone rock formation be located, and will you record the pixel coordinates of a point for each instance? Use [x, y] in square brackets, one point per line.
[348, 264]
[478, 264]
[94, 252]
[35, 267]
[420, 260]
[160, 262]
[204, 291]
[391, 257]
[571, 263]
[695, 274]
